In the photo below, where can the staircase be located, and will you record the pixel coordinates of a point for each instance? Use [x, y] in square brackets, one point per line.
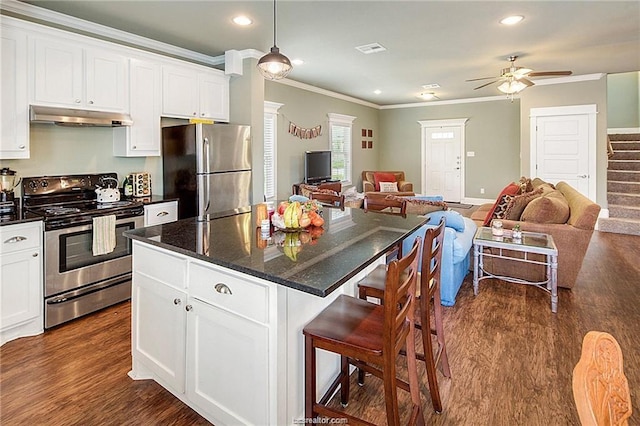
[623, 186]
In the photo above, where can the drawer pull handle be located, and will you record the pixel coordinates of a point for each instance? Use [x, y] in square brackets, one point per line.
[222, 288]
[34, 255]
[15, 239]
[162, 214]
[188, 308]
[177, 301]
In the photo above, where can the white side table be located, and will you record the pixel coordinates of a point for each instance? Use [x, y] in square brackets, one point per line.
[530, 243]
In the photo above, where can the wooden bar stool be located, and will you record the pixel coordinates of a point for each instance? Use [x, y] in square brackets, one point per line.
[373, 285]
[367, 334]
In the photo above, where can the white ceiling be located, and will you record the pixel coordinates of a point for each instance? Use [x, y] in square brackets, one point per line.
[444, 42]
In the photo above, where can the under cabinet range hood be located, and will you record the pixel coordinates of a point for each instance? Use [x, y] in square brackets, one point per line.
[78, 117]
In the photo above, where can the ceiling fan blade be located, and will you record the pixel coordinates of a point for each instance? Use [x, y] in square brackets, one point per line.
[546, 73]
[526, 81]
[483, 78]
[485, 85]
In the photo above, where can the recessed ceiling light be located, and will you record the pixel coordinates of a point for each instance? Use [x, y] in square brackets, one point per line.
[297, 62]
[512, 20]
[427, 96]
[242, 20]
[377, 91]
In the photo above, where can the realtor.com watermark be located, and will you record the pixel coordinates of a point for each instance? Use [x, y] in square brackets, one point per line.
[321, 421]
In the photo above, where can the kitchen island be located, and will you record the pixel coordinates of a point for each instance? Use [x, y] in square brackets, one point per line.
[218, 310]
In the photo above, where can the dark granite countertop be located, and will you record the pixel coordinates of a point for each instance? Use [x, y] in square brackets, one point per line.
[350, 241]
[17, 216]
[21, 216]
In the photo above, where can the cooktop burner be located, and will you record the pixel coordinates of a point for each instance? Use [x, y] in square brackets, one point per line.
[54, 211]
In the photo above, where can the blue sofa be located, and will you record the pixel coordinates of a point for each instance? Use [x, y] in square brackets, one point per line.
[456, 255]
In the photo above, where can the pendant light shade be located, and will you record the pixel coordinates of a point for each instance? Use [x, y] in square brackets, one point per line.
[274, 65]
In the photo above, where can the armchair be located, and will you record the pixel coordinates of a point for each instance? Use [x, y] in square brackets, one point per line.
[371, 183]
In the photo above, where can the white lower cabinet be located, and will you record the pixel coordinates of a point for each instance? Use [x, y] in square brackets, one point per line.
[157, 214]
[213, 357]
[227, 370]
[21, 282]
[234, 352]
[160, 329]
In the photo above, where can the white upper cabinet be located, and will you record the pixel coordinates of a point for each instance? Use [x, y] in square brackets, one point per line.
[65, 74]
[214, 95]
[14, 108]
[142, 139]
[195, 92]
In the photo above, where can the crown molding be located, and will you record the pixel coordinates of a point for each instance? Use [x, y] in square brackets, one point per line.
[450, 102]
[51, 18]
[310, 88]
[569, 79]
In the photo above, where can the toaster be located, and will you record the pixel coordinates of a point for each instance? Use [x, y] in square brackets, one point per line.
[141, 184]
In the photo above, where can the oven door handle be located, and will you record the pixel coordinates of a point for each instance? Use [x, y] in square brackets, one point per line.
[75, 294]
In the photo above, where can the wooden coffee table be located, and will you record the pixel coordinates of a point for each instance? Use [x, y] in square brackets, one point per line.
[530, 243]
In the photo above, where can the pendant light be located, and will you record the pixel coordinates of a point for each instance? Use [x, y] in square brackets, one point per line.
[274, 65]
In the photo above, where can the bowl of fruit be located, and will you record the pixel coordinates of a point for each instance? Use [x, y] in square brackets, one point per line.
[296, 216]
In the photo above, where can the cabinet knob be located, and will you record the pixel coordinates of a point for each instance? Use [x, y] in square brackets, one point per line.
[195, 113]
[34, 255]
[177, 301]
[189, 308]
[133, 147]
[21, 146]
[91, 102]
[222, 288]
[202, 114]
[77, 101]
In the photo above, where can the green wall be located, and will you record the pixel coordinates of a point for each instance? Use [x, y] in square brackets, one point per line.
[308, 109]
[577, 93]
[59, 150]
[492, 132]
[623, 100]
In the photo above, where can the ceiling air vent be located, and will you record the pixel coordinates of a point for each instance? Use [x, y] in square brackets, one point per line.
[371, 48]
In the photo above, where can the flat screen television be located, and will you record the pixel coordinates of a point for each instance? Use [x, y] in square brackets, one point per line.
[317, 166]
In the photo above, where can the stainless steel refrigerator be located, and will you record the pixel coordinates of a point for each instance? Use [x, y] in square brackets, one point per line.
[208, 168]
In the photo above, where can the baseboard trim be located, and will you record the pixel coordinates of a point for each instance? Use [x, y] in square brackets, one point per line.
[623, 131]
[477, 201]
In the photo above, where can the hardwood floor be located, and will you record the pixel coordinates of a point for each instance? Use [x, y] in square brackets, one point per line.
[511, 358]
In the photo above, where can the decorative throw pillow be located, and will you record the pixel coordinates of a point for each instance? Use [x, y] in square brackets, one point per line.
[525, 184]
[382, 177]
[518, 203]
[452, 219]
[511, 189]
[550, 208]
[388, 186]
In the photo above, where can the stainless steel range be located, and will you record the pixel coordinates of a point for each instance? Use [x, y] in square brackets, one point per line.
[76, 282]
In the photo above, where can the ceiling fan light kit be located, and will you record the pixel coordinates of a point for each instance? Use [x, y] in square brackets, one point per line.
[274, 65]
[514, 79]
[512, 87]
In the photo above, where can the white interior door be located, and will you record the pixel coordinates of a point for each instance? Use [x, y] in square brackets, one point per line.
[442, 165]
[563, 150]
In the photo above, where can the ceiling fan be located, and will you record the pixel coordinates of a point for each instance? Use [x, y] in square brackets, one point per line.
[514, 79]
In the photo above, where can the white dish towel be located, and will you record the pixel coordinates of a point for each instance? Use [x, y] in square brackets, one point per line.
[104, 234]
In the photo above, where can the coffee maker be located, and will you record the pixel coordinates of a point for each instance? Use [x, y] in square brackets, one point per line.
[9, 180]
